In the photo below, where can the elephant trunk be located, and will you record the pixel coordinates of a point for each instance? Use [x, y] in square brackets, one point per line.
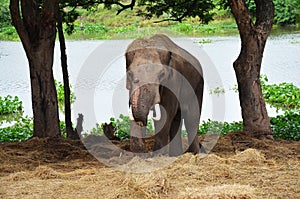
[142, 99]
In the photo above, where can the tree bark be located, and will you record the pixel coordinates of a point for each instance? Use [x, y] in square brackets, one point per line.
[64, 65]
[35, 25]
[248, 64]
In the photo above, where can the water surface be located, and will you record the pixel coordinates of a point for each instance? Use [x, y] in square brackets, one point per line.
[280, 63]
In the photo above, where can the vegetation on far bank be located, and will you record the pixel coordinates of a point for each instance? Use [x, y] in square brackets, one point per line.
[99, 23]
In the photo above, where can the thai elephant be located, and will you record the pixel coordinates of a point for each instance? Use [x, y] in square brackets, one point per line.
[164, 79]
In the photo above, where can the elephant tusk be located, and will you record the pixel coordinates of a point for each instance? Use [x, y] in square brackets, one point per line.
[156, 113]
[130, 113]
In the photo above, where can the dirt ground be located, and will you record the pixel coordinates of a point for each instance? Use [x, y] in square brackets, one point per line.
[238, 167]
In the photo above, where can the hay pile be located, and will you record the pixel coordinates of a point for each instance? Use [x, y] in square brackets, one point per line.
[251, 173]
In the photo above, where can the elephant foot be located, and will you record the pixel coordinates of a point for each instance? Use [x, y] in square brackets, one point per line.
[137, 145]
[175, 152]
[194, 148]
[158, 149]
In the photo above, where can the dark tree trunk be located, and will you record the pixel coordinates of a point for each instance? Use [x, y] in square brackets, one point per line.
[69, 129]
[36, 28]
[248, 64]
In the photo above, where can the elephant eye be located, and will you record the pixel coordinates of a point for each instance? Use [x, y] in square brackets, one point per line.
[129, 74]
[161, 75]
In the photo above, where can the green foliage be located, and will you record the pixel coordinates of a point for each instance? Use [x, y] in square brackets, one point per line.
[195, 29]
[61, 95]
[4, 13]
[94, 28]
[177, 9]
[62, 126]
[217, 91]
[21, 130]
[286, 126]
[285, 11]
[10, 105]
[285, 96]
[208, 127]
[98, 130]
[15, 127]
[69, 18]
[121, 127]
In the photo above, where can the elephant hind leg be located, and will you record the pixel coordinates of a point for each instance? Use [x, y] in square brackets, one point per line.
[175, 146]
[191, 121]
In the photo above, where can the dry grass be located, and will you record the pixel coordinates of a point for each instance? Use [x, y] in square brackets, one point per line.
[251, 173]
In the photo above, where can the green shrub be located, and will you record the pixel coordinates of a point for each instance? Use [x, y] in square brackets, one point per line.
[285, 96]
[285, 11]
[208, 127]
[18, 127]
[61, 96]
[10, 105]
[21, 130]
[121, 127]
[286, 126]
[4, 13]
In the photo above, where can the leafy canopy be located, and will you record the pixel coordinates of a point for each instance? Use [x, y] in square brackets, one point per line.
[177, 10]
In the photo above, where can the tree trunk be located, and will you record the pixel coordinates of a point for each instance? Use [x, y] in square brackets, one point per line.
[44, 96]
[248, 64]
[35, 25]
[64, 65]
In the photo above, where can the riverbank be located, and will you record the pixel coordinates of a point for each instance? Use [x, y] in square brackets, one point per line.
[97, 31]
[104, 24]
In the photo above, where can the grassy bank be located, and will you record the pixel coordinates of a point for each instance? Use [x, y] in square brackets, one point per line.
[101, 24]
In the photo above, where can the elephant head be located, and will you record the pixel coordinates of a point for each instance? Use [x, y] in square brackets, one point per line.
[147, 70]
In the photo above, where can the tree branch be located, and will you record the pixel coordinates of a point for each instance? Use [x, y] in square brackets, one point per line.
[264, 15]
[18, 23]
[242, 17]
[189, 9]
[124, 7]
[112, 2]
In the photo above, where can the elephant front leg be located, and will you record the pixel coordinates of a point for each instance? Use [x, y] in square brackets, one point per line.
[161, 137]
[137, 135]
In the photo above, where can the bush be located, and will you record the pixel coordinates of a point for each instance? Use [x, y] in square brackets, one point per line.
[21, 130]
[61, 96]
[4, 13]
[286, 126]
[285, 11]
[285, 96]
[19, 127]
[121, 127]
[219, 127]
[10, 105]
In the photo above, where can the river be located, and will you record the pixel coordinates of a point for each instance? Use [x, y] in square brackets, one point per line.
[97, 70]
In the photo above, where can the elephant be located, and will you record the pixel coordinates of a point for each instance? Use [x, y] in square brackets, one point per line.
[167, 81]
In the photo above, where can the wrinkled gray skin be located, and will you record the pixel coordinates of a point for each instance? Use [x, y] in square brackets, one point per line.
[152, 66]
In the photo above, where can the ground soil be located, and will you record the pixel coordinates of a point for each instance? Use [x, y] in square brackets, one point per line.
[237, 167]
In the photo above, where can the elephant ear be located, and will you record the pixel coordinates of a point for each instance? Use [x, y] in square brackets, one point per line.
[129, 55]
[165, 56]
